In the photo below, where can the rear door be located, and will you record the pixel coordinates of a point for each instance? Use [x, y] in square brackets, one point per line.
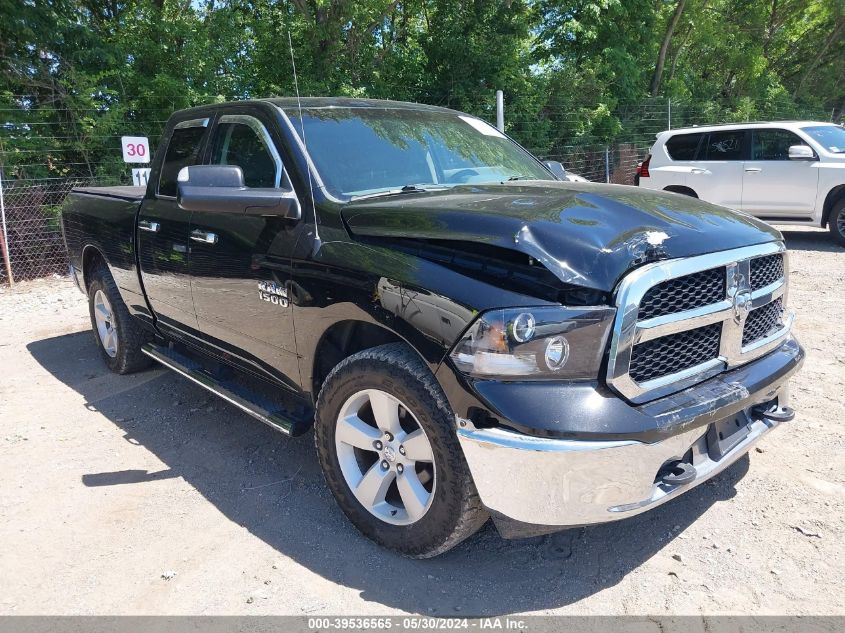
[717, 173]
[163, 232]
[773, 185]
[240, 264]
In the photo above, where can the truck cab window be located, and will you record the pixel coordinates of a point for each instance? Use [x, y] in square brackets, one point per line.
[245, 143]
[182, 151]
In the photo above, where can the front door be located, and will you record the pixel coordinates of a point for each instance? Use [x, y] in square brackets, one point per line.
[240, 264]
[773, 185]
[164, 247]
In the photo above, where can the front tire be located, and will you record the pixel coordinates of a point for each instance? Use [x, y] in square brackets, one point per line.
[836, 223]
[386, 443]
[119, 337]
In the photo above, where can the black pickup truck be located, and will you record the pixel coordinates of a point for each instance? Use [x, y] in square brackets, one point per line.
[467, 335]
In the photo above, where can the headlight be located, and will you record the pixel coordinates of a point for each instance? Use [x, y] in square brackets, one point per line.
[535, 343]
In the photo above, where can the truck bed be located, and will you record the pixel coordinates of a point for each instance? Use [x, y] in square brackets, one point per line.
[132, 194]
[104, 217]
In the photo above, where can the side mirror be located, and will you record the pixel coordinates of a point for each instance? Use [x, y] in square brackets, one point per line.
[801, 152]
[556, 168]
[221, 189]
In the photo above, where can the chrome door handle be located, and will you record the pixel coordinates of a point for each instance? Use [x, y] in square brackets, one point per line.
[206, 237]
[149, 225]
[697, 170]
[752, 170]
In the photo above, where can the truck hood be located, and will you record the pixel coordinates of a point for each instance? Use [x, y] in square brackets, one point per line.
[587, 234]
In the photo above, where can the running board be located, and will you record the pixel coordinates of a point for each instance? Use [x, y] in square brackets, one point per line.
[271, 413]
[773, 219]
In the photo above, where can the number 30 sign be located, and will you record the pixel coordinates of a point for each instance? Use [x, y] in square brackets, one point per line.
[136, 149]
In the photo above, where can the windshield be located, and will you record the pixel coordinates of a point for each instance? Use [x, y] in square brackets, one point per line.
[364, 151]
[831, 137]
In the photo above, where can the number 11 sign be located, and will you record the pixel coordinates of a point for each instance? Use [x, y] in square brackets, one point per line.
[136, 149]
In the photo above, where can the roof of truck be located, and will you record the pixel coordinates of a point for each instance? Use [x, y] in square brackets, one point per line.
[348, 102]
[292, 103]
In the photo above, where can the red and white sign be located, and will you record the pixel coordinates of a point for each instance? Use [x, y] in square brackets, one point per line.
[136, 149]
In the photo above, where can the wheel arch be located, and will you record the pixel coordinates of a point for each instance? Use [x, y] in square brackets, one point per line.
[91, 257]
[834, 196]
[347, 337]
[681, 189]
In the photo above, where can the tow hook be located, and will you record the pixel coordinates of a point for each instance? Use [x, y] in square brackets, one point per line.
[678, 474]
[775, 414]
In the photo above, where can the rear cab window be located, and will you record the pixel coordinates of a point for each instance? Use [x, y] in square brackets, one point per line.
[183, 149]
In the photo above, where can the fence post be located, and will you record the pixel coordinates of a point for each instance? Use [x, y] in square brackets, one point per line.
[500, 111]
[606, 163]
[669, 116]
[4, 239]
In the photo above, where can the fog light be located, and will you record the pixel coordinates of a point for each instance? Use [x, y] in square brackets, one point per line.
[557, 353]
[523, 327]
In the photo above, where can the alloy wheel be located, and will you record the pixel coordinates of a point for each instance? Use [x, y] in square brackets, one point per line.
[385, 457]
[104, 318]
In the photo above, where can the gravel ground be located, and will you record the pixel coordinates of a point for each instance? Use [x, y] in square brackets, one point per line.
[145, 494]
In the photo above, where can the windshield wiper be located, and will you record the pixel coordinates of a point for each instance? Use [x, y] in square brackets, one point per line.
[518, 178]
[396, 192]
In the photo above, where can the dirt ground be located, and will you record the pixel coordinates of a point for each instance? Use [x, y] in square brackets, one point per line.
[145, 494]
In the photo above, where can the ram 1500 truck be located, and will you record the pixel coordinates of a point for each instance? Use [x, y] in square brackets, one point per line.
[467, 335]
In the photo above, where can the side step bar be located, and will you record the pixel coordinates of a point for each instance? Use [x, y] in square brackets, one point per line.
[268, 412]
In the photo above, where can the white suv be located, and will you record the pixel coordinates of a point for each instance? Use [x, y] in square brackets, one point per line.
[786, 172]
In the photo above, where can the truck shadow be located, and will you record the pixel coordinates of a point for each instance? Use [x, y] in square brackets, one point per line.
[272, 486]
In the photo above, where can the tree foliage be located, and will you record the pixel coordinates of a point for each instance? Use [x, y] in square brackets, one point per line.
[75, 74]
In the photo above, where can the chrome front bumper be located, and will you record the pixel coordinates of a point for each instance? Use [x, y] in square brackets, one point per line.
[560, 483]
[569, 483]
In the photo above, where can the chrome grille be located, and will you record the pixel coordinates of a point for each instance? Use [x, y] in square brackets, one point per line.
[684, 293]
[681, 321]
[766, 270]
[674, 353]
[763, 321]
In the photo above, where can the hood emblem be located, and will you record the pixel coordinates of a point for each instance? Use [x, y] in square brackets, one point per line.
[740, 298]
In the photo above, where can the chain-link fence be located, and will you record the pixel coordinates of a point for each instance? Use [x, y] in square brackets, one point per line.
[42, 160]
[615, 163]
[32, 230]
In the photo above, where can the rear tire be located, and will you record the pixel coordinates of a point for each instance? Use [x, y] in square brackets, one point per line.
[118, 335]
[836, 223]
[392, 397]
